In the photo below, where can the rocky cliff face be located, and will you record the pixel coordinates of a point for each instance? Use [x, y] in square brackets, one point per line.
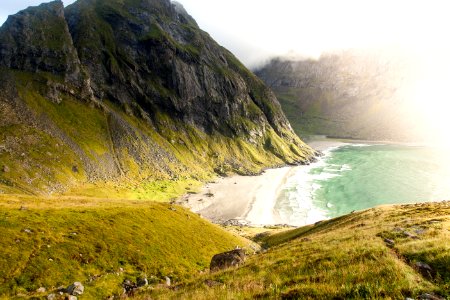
[106, 90]
[38, 39]
[349, 94]
[152, 55]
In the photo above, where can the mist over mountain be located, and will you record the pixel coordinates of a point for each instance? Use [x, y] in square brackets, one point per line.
[351, 93]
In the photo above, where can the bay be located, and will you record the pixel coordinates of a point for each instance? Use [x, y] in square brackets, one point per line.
[355, 176]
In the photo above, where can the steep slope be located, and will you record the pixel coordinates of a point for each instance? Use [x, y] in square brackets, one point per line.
[389, 252]
[104, 91]
[49, 243]
[352, 93]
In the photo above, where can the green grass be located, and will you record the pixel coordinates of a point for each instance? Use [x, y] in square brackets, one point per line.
[308, 118]
[86, 126]
[77, 239]
[132, 161]
[31, 161]
[343, 258]
[157, 190]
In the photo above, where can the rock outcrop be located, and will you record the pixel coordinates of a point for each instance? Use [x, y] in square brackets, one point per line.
[130, 89]
[152, 56]
[226, 260]
[38, 40]
[75, 289]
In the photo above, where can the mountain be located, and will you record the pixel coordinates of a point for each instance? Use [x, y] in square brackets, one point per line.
[352, 93]
[125, 97]
[109, 105]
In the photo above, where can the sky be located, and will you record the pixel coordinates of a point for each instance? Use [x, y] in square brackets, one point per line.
[255, 30]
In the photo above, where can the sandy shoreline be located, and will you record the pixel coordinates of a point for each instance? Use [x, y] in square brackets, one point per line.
[246, 199]
[252, 199]
[238, 197]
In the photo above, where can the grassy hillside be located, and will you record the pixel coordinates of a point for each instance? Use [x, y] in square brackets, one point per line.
[76, 148]
[133, 105]
[307, 120]
[132, 97]
[53, 242]
[349, 257]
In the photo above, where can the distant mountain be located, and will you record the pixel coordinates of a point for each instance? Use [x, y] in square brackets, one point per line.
[351, 93]
[125, 92]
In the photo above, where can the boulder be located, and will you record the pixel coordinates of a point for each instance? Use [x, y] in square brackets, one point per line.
[75, 289]
[168, 283]
[428, 296]
[410, 235]
[424, 269]
[51, 297]
[389, 242]
[227, 259]
[212, 283]
[5, 169]
[129, 287]
[141, 281]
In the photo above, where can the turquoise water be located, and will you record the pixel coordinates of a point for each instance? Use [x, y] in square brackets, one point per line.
[355, 177]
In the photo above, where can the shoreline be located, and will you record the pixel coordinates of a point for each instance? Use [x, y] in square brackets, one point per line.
[262, 209]
[252, 200]
[347, 140]
[235, 197]
[247, 200]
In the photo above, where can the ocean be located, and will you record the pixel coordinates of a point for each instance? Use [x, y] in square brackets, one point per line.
[360, 176]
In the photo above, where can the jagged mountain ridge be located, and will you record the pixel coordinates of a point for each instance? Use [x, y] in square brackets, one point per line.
[106, 89]
[352, 93]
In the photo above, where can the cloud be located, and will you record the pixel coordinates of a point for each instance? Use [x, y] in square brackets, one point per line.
[258, 29]
[254, 29]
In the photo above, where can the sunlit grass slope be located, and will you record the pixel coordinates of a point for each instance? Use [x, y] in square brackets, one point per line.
[95, 149]
[343, 258]
[54, 242]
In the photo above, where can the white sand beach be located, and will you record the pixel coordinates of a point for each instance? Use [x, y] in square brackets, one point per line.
[250, 199]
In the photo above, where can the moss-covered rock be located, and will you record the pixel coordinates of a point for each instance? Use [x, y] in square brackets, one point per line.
[130, 90]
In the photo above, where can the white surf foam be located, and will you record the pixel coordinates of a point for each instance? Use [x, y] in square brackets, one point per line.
[296, 203]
